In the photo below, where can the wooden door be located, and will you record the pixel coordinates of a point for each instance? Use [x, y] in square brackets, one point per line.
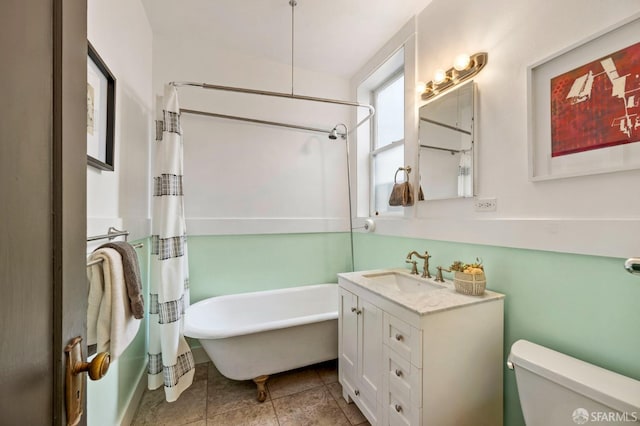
[43, 48]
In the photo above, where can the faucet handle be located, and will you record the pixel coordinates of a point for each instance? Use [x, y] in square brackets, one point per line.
[439, 277]
[414, 267]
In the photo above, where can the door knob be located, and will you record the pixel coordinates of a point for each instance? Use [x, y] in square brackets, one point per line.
[97, 368]
[74, 381]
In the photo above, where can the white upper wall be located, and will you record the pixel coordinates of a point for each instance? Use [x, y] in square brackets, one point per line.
[517, 35]
[589, 214]
[244, 178]
[250, 178]
[120, 33]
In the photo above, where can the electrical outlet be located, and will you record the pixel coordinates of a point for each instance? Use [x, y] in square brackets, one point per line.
[486, 204]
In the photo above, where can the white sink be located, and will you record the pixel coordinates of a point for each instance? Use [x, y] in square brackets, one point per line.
[404, 282]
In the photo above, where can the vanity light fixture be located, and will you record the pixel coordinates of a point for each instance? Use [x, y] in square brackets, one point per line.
[440, 76]
[461, 62]
[464, 67]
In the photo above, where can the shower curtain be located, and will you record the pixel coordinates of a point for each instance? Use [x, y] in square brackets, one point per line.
[171, 362]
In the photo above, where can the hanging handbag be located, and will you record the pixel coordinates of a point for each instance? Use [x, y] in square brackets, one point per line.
[402, 193]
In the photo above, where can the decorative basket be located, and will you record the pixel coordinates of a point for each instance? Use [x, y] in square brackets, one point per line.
[471, 284]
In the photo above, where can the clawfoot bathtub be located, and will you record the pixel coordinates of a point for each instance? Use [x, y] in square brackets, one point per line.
[250, 336]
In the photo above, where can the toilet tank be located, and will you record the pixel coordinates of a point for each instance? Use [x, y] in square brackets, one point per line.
[556, 389]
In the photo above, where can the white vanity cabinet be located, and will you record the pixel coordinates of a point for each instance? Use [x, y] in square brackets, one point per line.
[401, 372]
[360, 349]
[420, 359]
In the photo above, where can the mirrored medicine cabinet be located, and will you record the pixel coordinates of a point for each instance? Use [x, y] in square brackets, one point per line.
[446, 138]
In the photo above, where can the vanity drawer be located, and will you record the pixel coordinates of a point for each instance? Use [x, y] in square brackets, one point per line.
[400, 412]
[404, 339]
[403, 377]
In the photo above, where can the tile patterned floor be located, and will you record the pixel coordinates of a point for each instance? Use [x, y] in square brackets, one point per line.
[307, 396]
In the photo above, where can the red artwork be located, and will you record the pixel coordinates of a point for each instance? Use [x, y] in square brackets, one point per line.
[597, 105]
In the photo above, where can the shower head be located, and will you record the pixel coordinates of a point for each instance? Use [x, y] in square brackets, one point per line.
[333, 134]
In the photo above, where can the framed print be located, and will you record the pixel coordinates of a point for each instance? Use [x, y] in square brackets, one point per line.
[101, 90]
[584, 107]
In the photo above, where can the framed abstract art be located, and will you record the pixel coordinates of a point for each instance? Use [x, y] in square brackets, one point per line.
[584, 107]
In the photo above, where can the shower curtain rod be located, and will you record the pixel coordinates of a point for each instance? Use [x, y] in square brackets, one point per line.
[274, 94]
[253, 120]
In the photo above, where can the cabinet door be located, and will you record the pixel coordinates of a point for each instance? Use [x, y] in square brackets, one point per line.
[370, 357]
[348, 340]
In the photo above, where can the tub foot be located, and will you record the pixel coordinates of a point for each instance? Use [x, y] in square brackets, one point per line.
[262, 391]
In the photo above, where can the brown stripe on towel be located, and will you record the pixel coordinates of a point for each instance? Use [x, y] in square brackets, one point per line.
[131, 270]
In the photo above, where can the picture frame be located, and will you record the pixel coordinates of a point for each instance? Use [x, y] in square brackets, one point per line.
[101, 90]
[584, 112]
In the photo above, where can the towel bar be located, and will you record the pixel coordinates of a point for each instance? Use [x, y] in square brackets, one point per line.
[95, 262]
[111, 234]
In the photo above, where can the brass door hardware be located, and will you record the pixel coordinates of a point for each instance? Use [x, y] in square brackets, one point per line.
[74, 381]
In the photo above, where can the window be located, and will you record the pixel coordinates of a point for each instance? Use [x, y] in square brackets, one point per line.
[387, 143]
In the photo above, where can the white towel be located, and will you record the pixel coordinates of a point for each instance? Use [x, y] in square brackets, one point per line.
[465, 187]
[110, 323]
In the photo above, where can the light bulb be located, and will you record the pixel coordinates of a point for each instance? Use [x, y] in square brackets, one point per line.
[440, 76]
[421, 86]
[461, 62]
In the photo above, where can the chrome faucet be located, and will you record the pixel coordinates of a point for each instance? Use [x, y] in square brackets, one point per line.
[425, 267]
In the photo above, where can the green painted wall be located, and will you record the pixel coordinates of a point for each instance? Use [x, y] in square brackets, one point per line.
[584, 306]
[221, 265]
[109, 398]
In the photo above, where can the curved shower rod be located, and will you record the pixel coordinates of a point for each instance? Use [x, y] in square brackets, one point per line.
[370, 108]
[255, 121]
[333, 133]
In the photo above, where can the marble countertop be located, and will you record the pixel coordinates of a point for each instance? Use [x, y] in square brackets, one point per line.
[420, 302]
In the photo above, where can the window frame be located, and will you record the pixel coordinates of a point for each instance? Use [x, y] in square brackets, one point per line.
[373, 151]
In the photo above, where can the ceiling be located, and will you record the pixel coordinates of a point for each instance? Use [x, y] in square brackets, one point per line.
[330, 36]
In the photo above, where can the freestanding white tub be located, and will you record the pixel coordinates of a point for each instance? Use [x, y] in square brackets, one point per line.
[253, 335]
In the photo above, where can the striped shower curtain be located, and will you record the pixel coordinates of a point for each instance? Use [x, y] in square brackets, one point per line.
[171, 363]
